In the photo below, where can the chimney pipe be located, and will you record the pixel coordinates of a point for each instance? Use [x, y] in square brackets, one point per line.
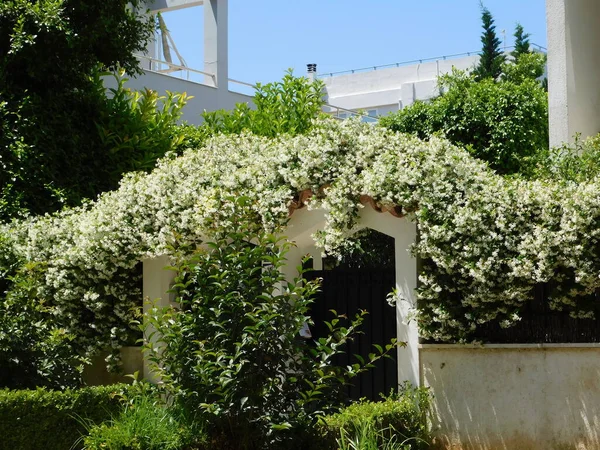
[311, 69]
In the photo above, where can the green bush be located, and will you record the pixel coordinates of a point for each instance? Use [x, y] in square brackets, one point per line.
[35, 350]
[232, 355]
[504, 123]
[288, 106]
[578, 162]
[399, 419]
[53, 420]
[145, 424]
[51, 154]
[56, 151]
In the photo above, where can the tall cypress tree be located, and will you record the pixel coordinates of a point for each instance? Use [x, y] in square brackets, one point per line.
[521, 42]
[492, 57]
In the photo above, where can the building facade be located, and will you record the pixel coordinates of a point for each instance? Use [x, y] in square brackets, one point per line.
[211, 87]
[379, 90]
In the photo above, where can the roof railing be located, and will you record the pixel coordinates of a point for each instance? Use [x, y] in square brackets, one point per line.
[337, 109]
[535, 47]
[156, 65]
[167, 68]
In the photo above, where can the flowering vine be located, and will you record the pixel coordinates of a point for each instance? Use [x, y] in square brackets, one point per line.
[485, 240]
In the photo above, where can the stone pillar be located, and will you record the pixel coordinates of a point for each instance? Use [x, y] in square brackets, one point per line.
[156, 282]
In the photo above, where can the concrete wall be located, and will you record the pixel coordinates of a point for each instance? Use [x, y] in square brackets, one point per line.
[525, 397]
[398, 86]
[96, 374]
[573, 68]
[205, 97]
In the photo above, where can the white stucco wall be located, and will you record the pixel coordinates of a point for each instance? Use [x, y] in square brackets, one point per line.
[508, 397]
[157, 282]
[205, 97]
[304, 223]
[573, 68]
[96, 374]
[398, 86]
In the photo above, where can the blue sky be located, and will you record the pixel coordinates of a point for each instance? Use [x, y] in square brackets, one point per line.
[268, 36]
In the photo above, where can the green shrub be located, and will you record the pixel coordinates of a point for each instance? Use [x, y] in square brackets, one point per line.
[145, 424]
[35, 351]
[232, 355]
[366, 436]
[397, 420]
[504, 123]
[89, 141]
[578, 162]
[52, 420]
[138, 128]
[51, 154]
[288, 106]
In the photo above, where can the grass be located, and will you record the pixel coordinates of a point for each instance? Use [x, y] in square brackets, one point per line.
[145, 424]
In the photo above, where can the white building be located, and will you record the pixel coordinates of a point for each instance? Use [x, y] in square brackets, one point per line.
[573, 68]
[380, 90]
[211, 87]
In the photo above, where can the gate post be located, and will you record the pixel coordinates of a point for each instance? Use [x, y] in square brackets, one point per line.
[404, 233]
[406, 284]
[156, 282]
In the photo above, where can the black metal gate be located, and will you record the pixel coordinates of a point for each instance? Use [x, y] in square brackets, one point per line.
[347, 291]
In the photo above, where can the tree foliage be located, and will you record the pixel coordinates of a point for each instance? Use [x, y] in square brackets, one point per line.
[492, 57]
[53, 46]
[521, 42]
[53, 108]
[288, 106]
[504, 122]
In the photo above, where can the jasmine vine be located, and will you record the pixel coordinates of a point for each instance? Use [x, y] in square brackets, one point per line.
[485, 240]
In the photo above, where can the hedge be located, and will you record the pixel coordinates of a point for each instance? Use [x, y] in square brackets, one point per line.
[401, 417]
[52, 420]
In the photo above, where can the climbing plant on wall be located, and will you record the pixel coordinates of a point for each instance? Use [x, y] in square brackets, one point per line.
[486, 240]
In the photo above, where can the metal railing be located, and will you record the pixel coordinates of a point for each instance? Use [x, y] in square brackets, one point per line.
[168, 68]
[535, 47]
[350, 112]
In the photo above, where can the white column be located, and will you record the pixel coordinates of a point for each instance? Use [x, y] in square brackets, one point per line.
[215, 43]
[156, 282]
[404, 233]
[557, 72]
[573, 68]
[406, 284]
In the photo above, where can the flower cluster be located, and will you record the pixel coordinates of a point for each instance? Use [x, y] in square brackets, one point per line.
[485, 240]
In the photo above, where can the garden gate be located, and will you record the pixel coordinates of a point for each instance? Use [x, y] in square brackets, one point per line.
[347, 291]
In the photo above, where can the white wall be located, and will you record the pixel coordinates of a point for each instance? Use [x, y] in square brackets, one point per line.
[157, 282]
[304, 223]
[392, 86]
[95, 374]
[525, 397]
[205, 97]
[573, 68]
